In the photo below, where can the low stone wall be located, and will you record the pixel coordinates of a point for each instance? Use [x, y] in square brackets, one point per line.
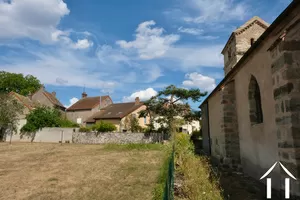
[106, 138]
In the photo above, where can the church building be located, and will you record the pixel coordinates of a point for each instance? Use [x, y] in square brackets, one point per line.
[252, 118]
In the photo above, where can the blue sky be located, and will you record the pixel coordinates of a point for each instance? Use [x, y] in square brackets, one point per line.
[122, 48]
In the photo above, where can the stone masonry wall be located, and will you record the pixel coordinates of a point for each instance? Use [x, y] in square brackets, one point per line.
[285, 68]
[229, 127]
[106, 138]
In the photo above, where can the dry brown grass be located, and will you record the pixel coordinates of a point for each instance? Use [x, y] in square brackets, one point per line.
[51, 171]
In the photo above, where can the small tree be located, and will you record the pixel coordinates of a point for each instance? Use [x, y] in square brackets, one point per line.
[10, 110]
[168, 104]
[102, 127]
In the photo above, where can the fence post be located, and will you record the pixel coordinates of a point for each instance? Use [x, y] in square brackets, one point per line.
[62, 136]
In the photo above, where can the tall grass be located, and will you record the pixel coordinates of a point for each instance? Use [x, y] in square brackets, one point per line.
[194, 171]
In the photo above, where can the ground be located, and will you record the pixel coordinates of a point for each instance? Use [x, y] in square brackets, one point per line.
[69, 171]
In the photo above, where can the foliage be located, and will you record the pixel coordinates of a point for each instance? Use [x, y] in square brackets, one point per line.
[18, 83]
[102, 127]
[194, 171]
[158, 192]
[169, 104]
[131, 123]
[10, 109]
[65, 123]
[85, 129]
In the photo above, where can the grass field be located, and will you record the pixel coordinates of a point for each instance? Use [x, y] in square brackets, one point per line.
[78, 172]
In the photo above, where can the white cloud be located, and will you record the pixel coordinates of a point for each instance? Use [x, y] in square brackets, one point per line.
[192, 31]
[82, 44]
[143, 95]
[149, 42]
[208, 37]
[61, 67]
[72, 101]
[33, 19]
[217, 10]
[196, 80]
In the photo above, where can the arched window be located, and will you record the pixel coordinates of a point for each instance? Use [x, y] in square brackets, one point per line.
[256, 114]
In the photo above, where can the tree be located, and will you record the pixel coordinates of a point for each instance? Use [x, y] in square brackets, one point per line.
[44, 117]
[168, 104]
[18, 83]
[10, 110]
[131, 123]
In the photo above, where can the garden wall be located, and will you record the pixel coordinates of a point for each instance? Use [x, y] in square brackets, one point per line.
[105, 138]
[52, 135]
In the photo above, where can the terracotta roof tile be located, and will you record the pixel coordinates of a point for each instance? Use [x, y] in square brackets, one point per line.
[24, 100]
[115, 111]
[87, 103]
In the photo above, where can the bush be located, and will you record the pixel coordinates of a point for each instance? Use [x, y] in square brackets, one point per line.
[65, 123]
[85, 129]
[102, 127]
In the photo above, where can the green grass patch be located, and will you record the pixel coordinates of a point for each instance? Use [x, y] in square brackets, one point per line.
[158, 193]
[134, 147]
[194, 172]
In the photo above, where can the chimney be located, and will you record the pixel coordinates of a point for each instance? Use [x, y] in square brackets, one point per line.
[84, 95]
[54, 93]
[137, 100]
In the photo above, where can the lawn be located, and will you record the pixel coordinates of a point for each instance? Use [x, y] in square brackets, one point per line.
[83, 172]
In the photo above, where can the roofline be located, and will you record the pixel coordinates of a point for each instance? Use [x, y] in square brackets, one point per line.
[91, 107]
[254, 46]
[52, 101]
[28, 106]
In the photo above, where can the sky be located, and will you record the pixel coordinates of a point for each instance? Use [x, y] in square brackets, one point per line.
[122, 48]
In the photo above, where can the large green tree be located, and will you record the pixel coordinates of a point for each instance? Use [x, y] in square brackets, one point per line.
[19, 83]
[170, 103]
[10, 110]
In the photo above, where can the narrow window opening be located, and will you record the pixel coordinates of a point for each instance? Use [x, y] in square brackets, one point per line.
[252, 41]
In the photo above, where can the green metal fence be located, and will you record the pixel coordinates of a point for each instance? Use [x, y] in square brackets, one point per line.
[169, 187]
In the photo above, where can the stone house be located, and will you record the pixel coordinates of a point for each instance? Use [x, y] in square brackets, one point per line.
[252, 118]
[27, 104]
[80, 111]
[117, 113]
[48, 99]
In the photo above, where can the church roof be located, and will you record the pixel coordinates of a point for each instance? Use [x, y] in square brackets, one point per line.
[254, 20]
[259, 41]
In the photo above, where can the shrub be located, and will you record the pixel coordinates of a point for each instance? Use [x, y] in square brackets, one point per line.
[102, 127]
[65, 123]
[85, 129]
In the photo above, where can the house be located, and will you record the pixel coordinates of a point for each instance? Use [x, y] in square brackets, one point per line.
[251, 119]
[80, 111]
[45, 98]
[27, 104]
[117, 113]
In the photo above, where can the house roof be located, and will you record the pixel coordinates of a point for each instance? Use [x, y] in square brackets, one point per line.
[24, 100]
[254, 20]
[115, 111]
[259, 41]
[87, 103]
[53, 99]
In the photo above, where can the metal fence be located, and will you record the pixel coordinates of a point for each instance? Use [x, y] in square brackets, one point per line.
[169, 187]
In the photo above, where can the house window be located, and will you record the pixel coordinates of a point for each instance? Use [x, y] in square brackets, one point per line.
[252, 41]
[145, 120]
[133, 115]
[256, 114]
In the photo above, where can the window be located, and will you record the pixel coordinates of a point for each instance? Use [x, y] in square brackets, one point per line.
[229, 54]
[256, 114]
[145, 120]
[252, 41]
